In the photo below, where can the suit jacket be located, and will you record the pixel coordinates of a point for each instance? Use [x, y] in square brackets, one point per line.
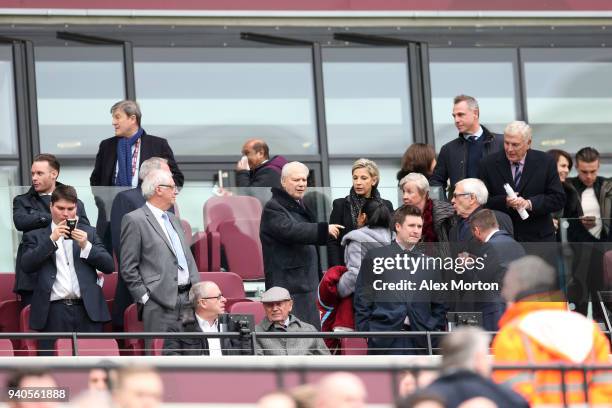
[39, 258]
[469, 245]
[388, 311]
[539, 183]
[29, 213]
[148, 262]
[198, 346]
[150, 146]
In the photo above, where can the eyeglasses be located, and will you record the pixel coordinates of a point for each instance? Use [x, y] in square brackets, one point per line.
[218, 297]
[169, 186]
[455, 195]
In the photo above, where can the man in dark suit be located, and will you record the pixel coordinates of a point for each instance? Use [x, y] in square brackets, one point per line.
[208, 305]
[31, 211]
[156, 263]
[256, 168]
[533, 175]
[498, 250]
[389, 310]
[126, 202]
[67, 297]
[119, 158]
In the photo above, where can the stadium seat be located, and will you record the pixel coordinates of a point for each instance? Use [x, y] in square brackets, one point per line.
[134, 347]
[353, 346]
[87, 347]
[242, 247]
[199, 248]
[6, 348]
[230, 284]
[108, 326]
[29, 347]
[253, 308]
[110, 284]
[7, 283]
[9, 319]
[158, 347]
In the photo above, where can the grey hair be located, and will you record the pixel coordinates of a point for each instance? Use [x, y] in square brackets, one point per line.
[528, 273]
[293, 166]
[153, 180]
[369, 165]
[417, 178]
[472, 103]
[460, 347]
[147, 166]
[128, 107]
[198, 291]
[518, 127]
[475, 186]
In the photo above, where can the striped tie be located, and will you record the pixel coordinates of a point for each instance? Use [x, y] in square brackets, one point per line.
[517, 173]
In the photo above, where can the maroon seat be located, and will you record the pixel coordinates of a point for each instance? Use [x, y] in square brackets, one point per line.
[9, 320]
[353, 346]
[158, 347]
[199, 248]
[253, 308]
[110, 284]
[108, 326]
[230, 284]
[242, 246]
[6, 348]
[87, 347]
[134, 347]
[7, 283]
[29, 347]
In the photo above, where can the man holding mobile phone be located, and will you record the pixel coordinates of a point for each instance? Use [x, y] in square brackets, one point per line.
[66, 296]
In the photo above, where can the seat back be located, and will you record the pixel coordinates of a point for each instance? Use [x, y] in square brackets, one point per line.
[131, 323]
[158, 346]
[9, 320]
[199, 248]
[353, 346]
[242, 246]
[109, 286]
[230, 208]
[87, 347]
[230, 284]
[28, 346]
[253, 308]
[7, 283]
[6, 348]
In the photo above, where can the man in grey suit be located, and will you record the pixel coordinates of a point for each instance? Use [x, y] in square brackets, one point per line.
[156, 263]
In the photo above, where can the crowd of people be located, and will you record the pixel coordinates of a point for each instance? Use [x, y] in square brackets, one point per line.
[503, 200]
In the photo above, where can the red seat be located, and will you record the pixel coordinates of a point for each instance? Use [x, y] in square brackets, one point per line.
[9, 319]
[108, 326]
[199, 248]
[230, 284]
[7, 283]
[242, 246]
[158, 347]
[29, 347]
[353, 346]
[87, 347]
[110, 284]
[253, 308]
[6, 348]
[134, 347]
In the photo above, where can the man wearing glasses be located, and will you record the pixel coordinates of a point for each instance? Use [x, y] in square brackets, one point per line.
[156, 263]
[208, 304]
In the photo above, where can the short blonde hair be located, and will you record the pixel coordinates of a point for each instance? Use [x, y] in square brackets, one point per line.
[370, 166]
[518, 127]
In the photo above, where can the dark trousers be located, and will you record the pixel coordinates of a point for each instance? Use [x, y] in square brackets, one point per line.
[157, 318]
[66, 318]
[587, 279]
[26, 298]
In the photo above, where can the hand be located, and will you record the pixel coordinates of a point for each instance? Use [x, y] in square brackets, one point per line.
[589, 222]
[243, 164]
[61, 230]
[334, 230]
[80, 237]
[556, 224]
[517, 203]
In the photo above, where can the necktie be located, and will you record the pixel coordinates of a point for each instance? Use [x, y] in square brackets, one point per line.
[471, 139]
[517, 173]
[68, 253]
[178, 251]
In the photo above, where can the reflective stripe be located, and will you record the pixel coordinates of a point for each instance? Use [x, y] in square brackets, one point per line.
[601, 378]
[522, 377]
[569, 387]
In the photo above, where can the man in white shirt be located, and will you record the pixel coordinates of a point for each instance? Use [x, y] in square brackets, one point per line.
[66, 297]
[208, 305]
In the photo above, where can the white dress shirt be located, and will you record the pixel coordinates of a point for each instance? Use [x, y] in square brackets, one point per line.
[214, 344]
[66, 285]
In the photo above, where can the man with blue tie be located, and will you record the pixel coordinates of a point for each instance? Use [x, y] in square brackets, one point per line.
[66, 296]
[533, 175]
[156, 263]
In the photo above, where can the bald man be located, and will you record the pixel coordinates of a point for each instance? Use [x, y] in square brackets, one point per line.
[256, 169]
[340, 390]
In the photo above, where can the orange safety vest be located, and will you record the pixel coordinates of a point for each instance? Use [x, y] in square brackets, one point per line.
[546, 333]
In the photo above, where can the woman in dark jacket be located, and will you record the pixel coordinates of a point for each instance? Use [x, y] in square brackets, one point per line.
[418, 158]
[573, 208]
[346, 210]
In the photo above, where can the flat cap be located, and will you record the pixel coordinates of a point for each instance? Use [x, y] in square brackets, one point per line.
[275, 294]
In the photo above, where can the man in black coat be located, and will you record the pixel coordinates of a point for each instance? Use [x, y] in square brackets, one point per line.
[533, 175]
[125, 202]
[256, 168]
[379, 309]
[208, 305]
[289, 237]
[31, 211]
[460, 158]
[466, 369]
[66, 297]
[119, 158]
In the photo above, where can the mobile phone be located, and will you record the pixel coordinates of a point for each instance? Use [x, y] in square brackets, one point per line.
[71, 224]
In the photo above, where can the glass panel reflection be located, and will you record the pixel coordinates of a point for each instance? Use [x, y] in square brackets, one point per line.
[8, 123]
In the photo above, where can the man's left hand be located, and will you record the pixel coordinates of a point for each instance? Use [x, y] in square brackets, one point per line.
[80, 236]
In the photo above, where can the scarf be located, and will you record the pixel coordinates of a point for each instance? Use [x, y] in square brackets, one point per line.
[429, 234]
[358, 201]
[124, 159]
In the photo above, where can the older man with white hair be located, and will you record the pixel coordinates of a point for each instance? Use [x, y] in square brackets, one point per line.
[156, 262]
[533, 175]
[289, 235]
